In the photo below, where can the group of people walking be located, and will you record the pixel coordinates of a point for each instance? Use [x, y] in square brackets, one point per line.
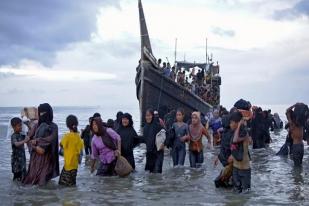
[233, 131]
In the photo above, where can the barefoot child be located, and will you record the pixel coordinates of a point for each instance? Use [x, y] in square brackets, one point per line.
[72, 146]
[18, 150]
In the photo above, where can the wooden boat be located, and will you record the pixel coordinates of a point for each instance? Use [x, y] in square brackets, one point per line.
[158, 92]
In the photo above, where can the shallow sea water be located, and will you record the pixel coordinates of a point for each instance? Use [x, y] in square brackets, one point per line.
[274, 181]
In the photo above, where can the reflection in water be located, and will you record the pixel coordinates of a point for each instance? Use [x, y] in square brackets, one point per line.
[297, 189]
[274, 181]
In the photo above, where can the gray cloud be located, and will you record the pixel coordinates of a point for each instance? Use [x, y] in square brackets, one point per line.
[300, 9]
[36, 29]
[223, 32]
[4, 75]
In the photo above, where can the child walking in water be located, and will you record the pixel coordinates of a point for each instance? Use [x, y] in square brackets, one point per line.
[240, 154]
[72, 146]
[196, 132]
[179, 147]
[18, 140]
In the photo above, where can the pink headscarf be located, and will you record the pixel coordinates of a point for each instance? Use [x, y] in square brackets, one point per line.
[196, 129]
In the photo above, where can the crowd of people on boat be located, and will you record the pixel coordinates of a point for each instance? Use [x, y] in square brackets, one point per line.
[110, 143]
[197, 82]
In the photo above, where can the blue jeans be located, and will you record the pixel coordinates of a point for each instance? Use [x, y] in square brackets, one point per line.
[196, 159]
[179, 154]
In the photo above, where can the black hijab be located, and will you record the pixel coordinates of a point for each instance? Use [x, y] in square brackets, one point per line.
[150, 131]
[45, 113]
[129, 137]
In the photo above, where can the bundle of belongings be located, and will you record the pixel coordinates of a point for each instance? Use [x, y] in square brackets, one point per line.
[244, 107]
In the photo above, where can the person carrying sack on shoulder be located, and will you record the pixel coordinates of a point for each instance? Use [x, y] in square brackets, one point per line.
[196, 132]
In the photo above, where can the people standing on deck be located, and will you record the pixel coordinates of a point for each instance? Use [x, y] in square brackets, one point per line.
[178, 146]
[154, 153]
[181, 77]
[240, 155]
[167, 70]
[159, 63]
[72, 146]
[87, 136]
[129, 138]
[106, 147]
[44, 158]
[18, 157]
[297, 116]
[196, 132]
[200, 77]
[173, 74]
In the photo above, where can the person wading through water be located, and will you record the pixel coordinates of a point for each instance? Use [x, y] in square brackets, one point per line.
[106, 147]
[196, 132]
[44, 158]
[129, 138]
[297, 116]
[154, 155]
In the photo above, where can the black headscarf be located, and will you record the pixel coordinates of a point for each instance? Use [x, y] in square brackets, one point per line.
[150, 131]
[129, 117]
[45, 113]
[118, 120]
[129, 137]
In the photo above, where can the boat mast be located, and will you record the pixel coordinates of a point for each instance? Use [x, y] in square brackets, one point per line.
[175, 50]
[206, 52]
[145, 41]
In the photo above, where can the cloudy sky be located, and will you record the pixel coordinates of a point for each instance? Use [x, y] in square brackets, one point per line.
[78, 52]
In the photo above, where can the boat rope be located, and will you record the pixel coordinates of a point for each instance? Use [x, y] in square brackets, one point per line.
[161, 84]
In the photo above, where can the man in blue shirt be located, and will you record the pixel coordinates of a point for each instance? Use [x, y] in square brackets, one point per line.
[167, 70]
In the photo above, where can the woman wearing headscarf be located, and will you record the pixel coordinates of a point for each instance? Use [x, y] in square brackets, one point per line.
[154, 155]
[196, 132]
[44, 158]
[117, 122]
[129, 138]
[106, 146]
[258, 130]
